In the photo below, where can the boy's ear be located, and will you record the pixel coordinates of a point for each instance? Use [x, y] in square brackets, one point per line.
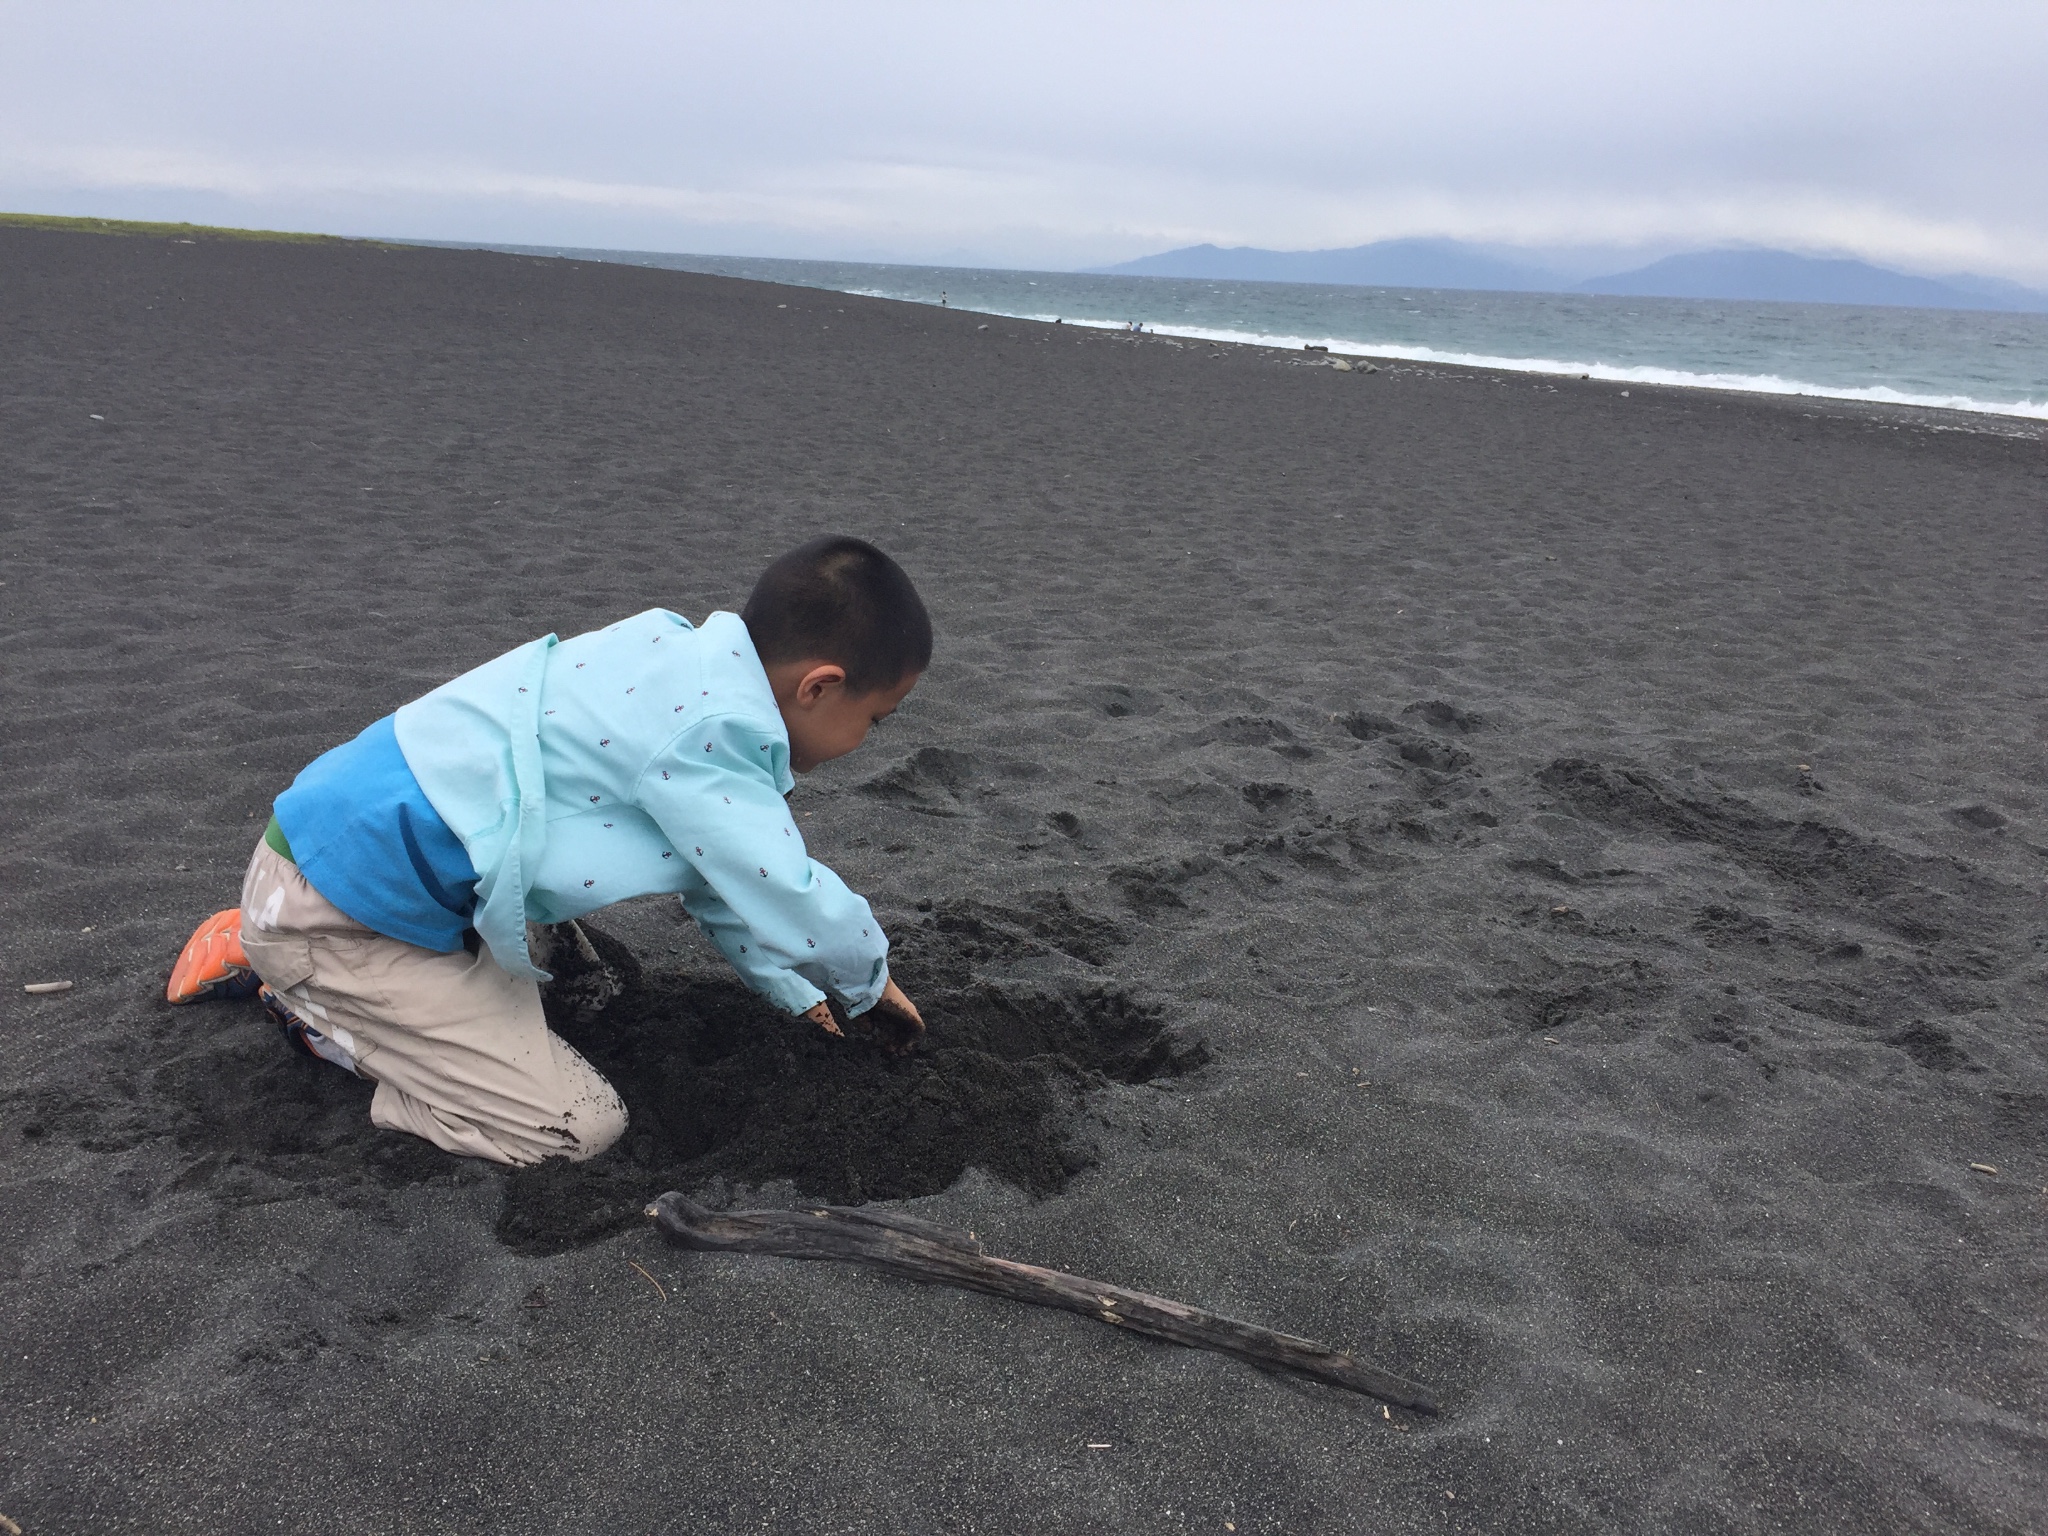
[819, 681]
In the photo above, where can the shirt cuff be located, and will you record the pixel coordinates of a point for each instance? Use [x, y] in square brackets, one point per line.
[795, 994]
[786, 990]
[880, 984]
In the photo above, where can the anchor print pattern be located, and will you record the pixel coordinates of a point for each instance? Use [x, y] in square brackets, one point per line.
[709, 803]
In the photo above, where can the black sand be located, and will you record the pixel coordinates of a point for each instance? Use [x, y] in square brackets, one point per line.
[1598, 841]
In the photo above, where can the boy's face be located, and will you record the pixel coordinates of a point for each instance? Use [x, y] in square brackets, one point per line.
[824, 720]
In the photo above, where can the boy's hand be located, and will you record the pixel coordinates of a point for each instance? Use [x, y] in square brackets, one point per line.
[894, 1021]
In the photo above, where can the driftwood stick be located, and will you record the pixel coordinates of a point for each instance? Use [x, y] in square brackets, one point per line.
[923, 1251]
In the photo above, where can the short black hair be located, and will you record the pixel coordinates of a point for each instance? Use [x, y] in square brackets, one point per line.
[841, 600]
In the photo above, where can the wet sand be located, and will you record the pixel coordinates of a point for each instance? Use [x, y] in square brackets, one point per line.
[1540, 886]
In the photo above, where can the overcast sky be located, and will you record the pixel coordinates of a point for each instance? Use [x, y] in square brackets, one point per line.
[1051, 134]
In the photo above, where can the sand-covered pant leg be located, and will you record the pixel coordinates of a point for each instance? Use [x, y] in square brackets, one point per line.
[458, 1048]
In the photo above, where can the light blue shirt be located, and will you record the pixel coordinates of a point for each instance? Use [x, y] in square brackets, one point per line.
[646, 756]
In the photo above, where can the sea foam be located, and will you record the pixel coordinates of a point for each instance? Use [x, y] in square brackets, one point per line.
[1751, 383]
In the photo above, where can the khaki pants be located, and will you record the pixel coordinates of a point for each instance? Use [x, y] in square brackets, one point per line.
[457, 1047]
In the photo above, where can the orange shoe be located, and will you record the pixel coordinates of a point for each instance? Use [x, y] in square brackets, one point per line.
[212, 963]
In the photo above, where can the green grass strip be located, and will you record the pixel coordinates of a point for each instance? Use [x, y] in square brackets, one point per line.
[167, 231]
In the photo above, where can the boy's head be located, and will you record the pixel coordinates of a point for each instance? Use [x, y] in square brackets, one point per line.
[843, 636]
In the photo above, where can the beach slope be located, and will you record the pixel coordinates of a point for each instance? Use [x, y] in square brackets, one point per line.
[1535, 883]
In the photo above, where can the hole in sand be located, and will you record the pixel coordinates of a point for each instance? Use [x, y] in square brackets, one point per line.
[722, 1086]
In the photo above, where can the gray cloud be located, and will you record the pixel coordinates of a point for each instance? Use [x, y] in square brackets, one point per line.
[1057, 134]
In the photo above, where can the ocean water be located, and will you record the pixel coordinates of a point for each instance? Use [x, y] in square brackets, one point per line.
[1965, 360]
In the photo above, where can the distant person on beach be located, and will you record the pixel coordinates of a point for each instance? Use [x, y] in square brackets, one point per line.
[385, 914]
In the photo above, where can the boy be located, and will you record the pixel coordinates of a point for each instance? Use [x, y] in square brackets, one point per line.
[384, 915]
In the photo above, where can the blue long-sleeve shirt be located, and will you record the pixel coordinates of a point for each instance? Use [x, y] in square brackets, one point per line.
[364, 833]
[645, 757]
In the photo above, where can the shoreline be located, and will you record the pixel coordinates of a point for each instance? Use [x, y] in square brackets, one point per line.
[1606, 373]
[1937, 418]
[1642, 375]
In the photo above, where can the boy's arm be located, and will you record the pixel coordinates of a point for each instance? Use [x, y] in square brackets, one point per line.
[893, 1022]
[721, 925]
[713, 793]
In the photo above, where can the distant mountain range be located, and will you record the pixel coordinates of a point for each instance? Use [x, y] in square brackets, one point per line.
[1736, 274]
[1387, 264]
